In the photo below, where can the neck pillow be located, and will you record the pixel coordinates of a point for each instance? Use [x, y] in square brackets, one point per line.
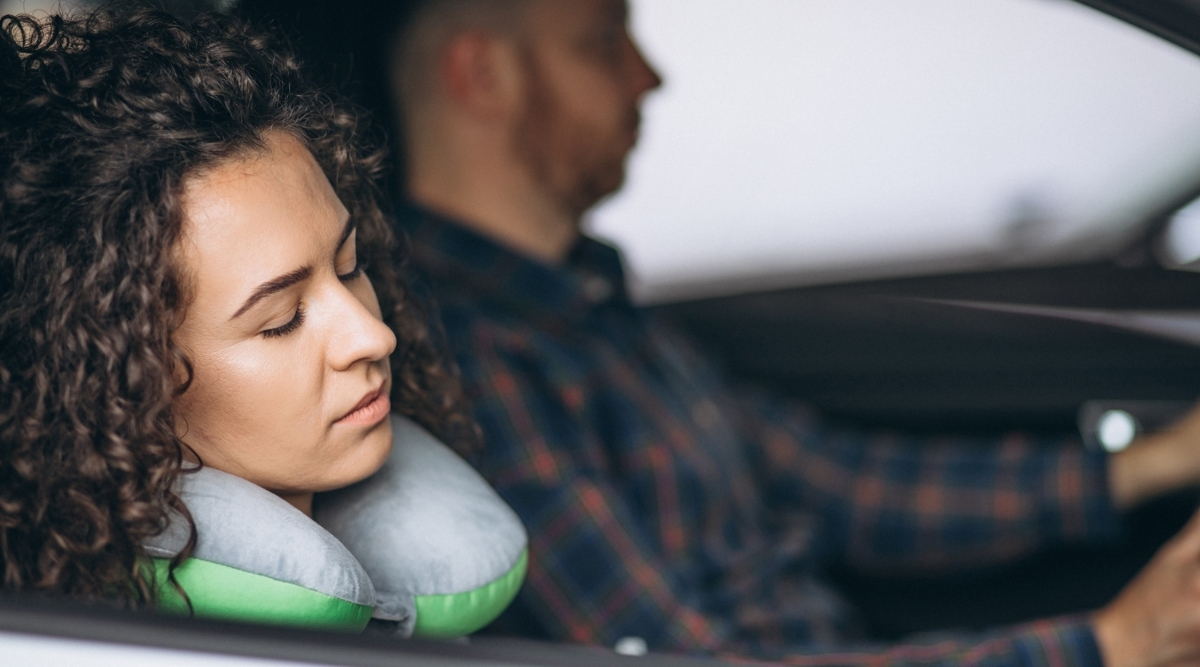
[424, 543]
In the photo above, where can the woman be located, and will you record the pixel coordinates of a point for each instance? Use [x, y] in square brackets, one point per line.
[193, 267]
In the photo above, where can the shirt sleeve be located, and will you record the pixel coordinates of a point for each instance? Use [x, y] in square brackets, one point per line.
[1065, 642]
[892, 503]
[594, 577]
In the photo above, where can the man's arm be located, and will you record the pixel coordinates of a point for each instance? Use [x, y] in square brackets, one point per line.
[595, 578]
[1158, 463]
[1066, 642]
[892, 503]
[1155, 621]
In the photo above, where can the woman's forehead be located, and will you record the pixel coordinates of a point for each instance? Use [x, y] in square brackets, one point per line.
[254, 217]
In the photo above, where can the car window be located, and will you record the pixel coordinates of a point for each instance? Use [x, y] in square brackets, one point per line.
[38, 6]
[804, 141]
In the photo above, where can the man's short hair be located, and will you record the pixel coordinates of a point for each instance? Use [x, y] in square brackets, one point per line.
[367, 48]
[419, 40]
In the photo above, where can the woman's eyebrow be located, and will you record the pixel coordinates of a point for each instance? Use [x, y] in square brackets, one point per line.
[272, 286]
[287, 280]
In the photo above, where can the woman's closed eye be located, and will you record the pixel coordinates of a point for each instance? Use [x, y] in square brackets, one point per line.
[360, 268]
[290, 326]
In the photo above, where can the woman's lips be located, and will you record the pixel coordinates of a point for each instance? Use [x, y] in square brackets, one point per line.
[369, 411]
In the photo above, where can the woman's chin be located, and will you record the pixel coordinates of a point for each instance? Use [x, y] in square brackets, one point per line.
[365, 458]
[379, 441]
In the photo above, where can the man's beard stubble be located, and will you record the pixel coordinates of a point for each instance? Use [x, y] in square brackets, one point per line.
[577, 167]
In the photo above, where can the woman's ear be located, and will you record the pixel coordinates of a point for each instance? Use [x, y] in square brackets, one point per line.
[482, 74]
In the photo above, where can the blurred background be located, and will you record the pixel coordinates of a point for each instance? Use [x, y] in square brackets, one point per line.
[799, 141]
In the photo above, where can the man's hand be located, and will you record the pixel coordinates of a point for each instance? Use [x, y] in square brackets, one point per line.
[1157, 464]
[1155, 621]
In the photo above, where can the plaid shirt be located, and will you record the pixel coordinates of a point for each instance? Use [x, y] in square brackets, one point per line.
[663, 505]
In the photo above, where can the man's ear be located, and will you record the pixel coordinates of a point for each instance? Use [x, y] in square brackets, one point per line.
[482, 74]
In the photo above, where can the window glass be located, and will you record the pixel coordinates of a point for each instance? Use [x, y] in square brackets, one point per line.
[38, 7]
[798, 141]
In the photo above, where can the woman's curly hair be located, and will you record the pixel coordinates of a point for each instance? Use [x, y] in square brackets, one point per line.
[103, 117]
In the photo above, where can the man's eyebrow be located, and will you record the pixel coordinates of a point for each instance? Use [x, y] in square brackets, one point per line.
[272, 286]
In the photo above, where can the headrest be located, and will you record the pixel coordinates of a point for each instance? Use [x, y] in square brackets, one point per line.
[424, 543]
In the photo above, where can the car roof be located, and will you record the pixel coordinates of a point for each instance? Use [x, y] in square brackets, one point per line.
[1175, 20]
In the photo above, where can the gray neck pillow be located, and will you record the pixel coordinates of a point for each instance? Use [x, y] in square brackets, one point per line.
[424, 543]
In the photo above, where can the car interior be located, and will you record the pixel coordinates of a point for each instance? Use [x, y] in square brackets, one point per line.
[1037, 334]
[1087, 329]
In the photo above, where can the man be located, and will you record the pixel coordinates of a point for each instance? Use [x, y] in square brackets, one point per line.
[663, 507]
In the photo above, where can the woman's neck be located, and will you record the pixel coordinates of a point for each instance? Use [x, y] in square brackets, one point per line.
[301, 501]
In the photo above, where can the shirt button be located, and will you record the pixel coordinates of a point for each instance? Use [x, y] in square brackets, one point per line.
[631, 646]
[597, 289]
[706, 414]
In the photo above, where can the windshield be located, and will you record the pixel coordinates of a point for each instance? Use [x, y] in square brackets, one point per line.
[800, 142]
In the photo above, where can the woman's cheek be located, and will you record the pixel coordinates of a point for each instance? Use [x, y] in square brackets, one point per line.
[257, 386]
[286, 377]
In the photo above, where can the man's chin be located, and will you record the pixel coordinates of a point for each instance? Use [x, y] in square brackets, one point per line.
[597, 189]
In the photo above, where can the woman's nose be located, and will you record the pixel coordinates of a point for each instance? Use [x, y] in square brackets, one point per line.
[358, 334]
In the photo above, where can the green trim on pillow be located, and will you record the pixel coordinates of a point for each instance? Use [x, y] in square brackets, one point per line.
[460, 614]
[220, 591]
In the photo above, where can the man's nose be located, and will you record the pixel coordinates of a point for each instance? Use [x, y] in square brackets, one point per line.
[645, 78]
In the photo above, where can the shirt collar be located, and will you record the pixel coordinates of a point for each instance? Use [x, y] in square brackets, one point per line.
[591, 276]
